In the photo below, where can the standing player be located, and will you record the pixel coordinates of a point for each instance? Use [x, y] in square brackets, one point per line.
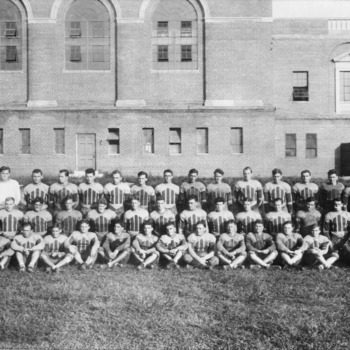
[275, 219]
[144, 247]
[27, 246]
[161, 217]
[248, 188]
[8, 187]
[135, 217]
[190, 217]
[34, 190]
[117, 193]
[169, 191]
[246, 219]
[10, 219]
[83, 245]
[231, 249]
[303, 190]
[277, 189]
[218, 189]
[68, 218]
[60, 190]
[5, 252]
[172, 246]
[218, 219]
[305, 220]
[192, 188]
[144, 192]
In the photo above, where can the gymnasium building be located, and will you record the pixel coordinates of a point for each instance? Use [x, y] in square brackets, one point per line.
[156, 84]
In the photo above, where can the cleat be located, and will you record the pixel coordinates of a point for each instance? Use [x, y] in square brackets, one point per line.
[22, 269]
[30, 269]
[275, 267]
[151, 267]
[48, 270]
[142, 266]
[176, 266]
[226, 267]
[242, 267]
[105, 267]
[118, 265]
[2, 268]
[320, 267]
[83, 267]
[188, 267]
[255, 267]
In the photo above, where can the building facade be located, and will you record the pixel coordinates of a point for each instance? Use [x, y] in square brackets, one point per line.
[152, 84]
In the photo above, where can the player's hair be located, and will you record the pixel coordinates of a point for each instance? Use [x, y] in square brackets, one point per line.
[219, 200]
[102, 201]
[118, 222]
[168, 171]
[316, 226]
[148, 222]
[7, 199]
[56, 225]
[201, 222]
[248, 168]
[84, 221]
[38, 199]
[171, 223]
[67, 198]
[193, 171]
[258, 222]
[219, 171]
[5, 168]
[160, 198]
[140, 173]
[114, 172]
[247, 199]
[276, 171]
[26, 224]
[90, 171]
[135, 197]
[287, 223]
[310, 199]
[332, 172]
[230, 222]
[64, 171]
[37, 171]
[278, 200]
[336, 200]
[305, 171]
[192, 196]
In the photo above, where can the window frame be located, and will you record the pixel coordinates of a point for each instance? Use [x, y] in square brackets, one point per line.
[61, 144]
[113, 140]
[145, 144]
[206, 139]
[11, 54]
[293, 137]
[173, 143]
[300, 93]
[165, 53]
[234, 145]
[25, 148]
[308, 148]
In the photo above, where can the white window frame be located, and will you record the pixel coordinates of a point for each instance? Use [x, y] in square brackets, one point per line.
[342, 64]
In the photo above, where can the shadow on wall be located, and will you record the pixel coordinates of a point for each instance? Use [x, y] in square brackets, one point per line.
[342, 159]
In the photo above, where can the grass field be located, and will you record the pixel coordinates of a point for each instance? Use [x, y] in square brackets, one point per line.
[185, 309]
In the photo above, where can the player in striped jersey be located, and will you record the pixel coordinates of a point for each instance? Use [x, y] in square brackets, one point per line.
[190, 217]
[54, 255]
[144, 247]
[231, 249]
[218, 189]
[5, 252]
[101, 219]
[218, 219]
[27, 247]
[305, 220]
[248, 188]
[192, 188]
[172, 246]
[161, 217]
[201, 248]
[134, 218]
[276, 219]
[277, 189]
[169, 191]
[246, 219]
[89, 192]
[329, 191]
[60, 190]
[145, 193]
[83, 245]
[34, 190]
[303, 190]
[261, 248]
[10, 219]
[40, 219]
[117, 193]
[68, 218]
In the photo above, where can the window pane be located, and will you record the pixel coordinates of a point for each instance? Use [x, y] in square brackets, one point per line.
[175, 148]
[148, 140]
[186, 28]
[186, 53]
[300, 86]
[291, 145]
[236, 140]
[75, 53]
[311, 145]
[175, 135]
[162, 29]
[11, 29]
[202, 140]
[163, 53]
[59, 141]
[113, 134]
[113, 147]
[11, 53]
[345, 86]
[25, 141]
[75, 29]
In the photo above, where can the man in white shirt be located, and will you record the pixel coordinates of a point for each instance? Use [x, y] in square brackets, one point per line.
[8, 187]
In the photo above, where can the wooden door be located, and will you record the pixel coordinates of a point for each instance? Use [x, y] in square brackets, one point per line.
[86, 151]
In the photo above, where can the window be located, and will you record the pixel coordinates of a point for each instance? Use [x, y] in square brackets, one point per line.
[75, 29]
[163, 53]
[175, 141]
[236, 140]
[344, 86]
[98, 53]
[11, 53]
[1, 141]
[98, 30]
[311, 145]
[162, 29]
[75, 53]
[113, 141]
[202, 140]
[11, 29]
[300, 86]
[59, 141]
[25, 141]
[186, 53]
[291, 145]
[148, 140]
[186, 29]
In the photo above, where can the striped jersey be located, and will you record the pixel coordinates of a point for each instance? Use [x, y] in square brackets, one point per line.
[89, 194]
[58, 192]
[34, 240]
[336, 221]
[196, 188]
[189, 219]
[203, 244]
[217, 221]
[54, 245]
[215, 190]
[41, 220]
[275, 221]
[170, 192]
[246, 221]
[113, 241]
[248, 189]
[68, 220]
[146, 242]
[327, 193]
[231, 242]
[5, 246]
[10, 222]
[145, 193]
[321, 242]
[302, 192]
[167, 242]
[133, 220]
[83, 241]
[281, 190]
[101, 221]
[115, 195]
[306, 219]
[160, 220]
[290, 242]
[32, 191]
[255, 241]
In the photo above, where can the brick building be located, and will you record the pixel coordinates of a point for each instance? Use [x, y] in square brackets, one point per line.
[152, 84]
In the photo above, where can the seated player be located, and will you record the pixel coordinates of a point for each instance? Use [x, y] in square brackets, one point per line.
[290, 245]
[5, 252]
[144, 247]
[161, 217]
[89, 192]
[261, 248]
[303, 190]
[117, 193]
[218, 189]
[190, 217]
[277, 189]
[305, 220]
[83, 245]
[248, 188]
[275, 219]
[145, 193]
[10, 219]
[135, 217]
[40, 218]
[27, 247]
[231, 249]
[169, 191]
[54, 255]
[172, 246]
[201, 248]
[116, 247]
[246, 218]
[218, 219]
[69, 217]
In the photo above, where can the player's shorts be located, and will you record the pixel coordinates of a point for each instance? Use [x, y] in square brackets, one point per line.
[263, 256]
[55, 261]
[27, 259]
[188, 259]
[138, 258]
[103, 252]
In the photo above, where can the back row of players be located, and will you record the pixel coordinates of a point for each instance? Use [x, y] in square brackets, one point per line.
[276, 203]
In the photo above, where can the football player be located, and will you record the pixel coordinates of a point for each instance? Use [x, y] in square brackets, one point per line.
[161, 217]
[305, 220]
[10, 219]
[169, 191]
[218, 189]
[275, 219]
[246, 219]
[192, 188]
[145, 193]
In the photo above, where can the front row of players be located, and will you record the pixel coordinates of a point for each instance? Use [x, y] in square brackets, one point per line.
[201, 249]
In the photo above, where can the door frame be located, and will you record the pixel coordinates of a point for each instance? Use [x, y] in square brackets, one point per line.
[76, 149]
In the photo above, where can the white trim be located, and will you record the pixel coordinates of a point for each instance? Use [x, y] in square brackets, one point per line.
[233, 103]
[340, 107]
[86, 71]
[130, 103]
[42, 21]
[237, 19]
[28, 8]
[48, 103]
[129, 20]
[156, 71]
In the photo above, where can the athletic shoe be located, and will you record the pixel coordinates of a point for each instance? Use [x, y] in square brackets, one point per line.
[48, 270]
[255, 267]
[275, 267]
[320, 267]
[242, 267]
[226, 267]
[142, 266]
[30, 269]
[118, 265]
[105, 267]
[151, 267]
[83, 267]
[176, 266]
[189, 267]
[2, 268]
[22, 269]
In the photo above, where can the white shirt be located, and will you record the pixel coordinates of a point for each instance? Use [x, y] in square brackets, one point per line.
[9, 188]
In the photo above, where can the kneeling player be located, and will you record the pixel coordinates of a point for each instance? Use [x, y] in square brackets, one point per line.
[231, 247]
[144, 247]
[116, 247]
[27, 247]
[5, 252]
[201, 248]
[54, 255]
[83, 245]
[172, 246]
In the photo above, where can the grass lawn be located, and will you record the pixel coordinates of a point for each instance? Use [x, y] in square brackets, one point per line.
[185, 309]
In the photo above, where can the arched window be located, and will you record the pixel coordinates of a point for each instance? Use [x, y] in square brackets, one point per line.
[87, 36]
[175, 36]
[10, 36]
